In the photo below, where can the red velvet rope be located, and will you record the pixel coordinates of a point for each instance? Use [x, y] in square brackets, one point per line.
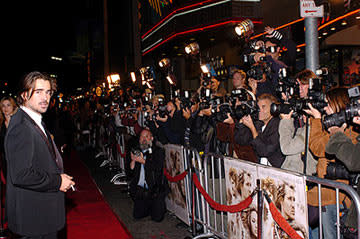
[175, 178]
[122, 155]
[3, 178]
[280, 220]
[218, 207]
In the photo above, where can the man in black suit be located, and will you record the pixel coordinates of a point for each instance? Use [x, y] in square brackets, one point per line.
[35, 181]
[148, 186]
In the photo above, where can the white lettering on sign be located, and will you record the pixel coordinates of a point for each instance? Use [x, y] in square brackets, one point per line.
[309, 9]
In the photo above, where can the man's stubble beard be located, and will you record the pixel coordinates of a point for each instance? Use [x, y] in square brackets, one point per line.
[144, 146]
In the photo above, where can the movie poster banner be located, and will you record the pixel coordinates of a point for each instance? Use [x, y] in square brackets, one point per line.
[287, 192]
[176, 199]
[240, 179]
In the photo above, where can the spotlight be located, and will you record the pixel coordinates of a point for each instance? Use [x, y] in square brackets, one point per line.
[165, 62]
[133, 77]
[170, 80]
[205, 68]
[245, 28]
[192, 49]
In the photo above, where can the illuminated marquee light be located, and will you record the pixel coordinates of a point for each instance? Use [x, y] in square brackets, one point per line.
[154, 46]
[319, 28]
[179, 12]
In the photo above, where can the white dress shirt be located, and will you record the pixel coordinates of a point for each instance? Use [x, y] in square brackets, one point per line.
[35, 116]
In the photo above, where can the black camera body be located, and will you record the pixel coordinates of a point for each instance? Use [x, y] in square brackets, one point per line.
[246, 108]
[257, 71]
[238, 95]
[344, 116]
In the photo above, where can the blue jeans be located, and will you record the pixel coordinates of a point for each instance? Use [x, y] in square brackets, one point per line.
[328, 223]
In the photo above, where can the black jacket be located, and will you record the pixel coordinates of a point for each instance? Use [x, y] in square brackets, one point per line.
[154, 174]
[267, 143]
[34, 204]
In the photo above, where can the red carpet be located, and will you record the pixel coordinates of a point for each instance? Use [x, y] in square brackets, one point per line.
[88, 215]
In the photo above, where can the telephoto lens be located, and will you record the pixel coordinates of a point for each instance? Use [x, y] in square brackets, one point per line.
[276, 109]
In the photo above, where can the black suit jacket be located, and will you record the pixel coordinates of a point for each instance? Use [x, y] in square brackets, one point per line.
[154, 173]
[267, 143]
[34, 204]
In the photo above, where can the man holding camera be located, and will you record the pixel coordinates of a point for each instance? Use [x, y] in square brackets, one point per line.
[269, 62]
[264, 133]
[348, 153]
[292, 132]
[148, 186]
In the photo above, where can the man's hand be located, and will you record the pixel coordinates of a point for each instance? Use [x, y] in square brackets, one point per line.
[258, 56]
[334, 129]
[248, 122]
[206, 112]
[162, 119]
[313, 112]
[66, 182]
[134, 158]
[286, 116]
[269, 31]
[229, 119]
[186, 113]
[356, 119]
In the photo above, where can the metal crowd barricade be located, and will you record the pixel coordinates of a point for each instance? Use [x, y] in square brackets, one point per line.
[211, 174]
[337, 186]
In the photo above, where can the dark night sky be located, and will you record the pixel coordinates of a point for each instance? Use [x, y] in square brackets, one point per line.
[35, 30]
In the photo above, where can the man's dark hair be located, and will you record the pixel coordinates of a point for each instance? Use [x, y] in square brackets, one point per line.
[28, 83]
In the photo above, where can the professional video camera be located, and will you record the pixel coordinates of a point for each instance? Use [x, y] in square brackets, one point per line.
[344, 116]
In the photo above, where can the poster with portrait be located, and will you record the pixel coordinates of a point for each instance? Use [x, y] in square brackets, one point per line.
[176, 199]
[240, 179]
[287, 192]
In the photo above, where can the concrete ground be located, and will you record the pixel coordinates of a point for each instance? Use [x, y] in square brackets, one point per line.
[119, 200]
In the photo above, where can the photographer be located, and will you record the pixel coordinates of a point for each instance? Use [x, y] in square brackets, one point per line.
[337, 100]
[192, 134]
[271, 58]
[172, 123]
[239, 82]
[216, 90]
[264, 133]
[148, 186]
[292, 132]
[226, 130]
[348, 153]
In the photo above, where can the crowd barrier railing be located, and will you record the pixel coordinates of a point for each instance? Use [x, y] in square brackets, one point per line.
[206, 197]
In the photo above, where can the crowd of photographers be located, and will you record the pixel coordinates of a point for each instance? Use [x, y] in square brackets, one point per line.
[300, 122]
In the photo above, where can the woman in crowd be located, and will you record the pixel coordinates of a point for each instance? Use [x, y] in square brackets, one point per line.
[8, 108]
[337, 100]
